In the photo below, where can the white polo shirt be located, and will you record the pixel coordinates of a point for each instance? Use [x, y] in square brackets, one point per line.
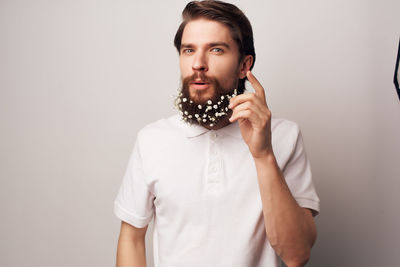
[201, 188]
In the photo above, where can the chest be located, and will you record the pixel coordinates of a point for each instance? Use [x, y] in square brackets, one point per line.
[202, 178]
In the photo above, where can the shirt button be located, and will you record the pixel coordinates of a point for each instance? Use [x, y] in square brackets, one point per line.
[213, 150]
[213, 179]
[213, 168]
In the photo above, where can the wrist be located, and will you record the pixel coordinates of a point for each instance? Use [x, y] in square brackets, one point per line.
[266, 157]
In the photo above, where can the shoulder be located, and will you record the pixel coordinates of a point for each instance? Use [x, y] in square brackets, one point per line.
[285, 138]
[161, 127]
[284, 129]
[158, 141]
[160, 132]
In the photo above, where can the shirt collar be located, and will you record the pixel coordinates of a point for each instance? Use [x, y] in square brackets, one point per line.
[194, 130]
[232, 129]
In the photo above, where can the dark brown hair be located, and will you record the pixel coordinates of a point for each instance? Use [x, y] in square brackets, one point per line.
[230, 16]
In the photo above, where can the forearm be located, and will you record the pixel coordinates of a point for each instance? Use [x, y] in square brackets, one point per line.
[290, 231]
[131, 253]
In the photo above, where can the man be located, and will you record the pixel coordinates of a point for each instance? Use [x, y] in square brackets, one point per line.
[226, 183]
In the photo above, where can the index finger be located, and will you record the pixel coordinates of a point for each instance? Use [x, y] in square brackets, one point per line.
[256, 85]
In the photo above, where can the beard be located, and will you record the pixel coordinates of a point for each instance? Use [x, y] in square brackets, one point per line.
[197, 110]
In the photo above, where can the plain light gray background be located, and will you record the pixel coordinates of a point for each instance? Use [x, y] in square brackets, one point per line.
[78, 79]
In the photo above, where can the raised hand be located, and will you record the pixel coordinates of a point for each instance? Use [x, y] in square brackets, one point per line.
[254, 117]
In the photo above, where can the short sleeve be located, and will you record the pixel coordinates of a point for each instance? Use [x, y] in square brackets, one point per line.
[134, 202]
[297, 173]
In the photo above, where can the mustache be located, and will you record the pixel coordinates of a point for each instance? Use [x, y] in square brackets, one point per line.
[199, 76]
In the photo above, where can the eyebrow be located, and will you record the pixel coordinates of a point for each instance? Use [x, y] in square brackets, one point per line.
[183, 45]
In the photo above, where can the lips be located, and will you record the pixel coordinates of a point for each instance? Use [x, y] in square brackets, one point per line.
[200, 84]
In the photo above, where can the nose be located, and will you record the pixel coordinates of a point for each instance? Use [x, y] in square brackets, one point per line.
[200, 62]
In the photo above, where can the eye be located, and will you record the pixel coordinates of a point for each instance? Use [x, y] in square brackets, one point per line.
[187, 51]
[217, 50]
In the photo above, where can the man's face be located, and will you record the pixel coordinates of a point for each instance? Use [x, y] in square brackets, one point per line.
[208, 57]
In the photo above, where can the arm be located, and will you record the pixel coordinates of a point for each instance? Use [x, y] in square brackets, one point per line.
[290, 229]
[131, 251]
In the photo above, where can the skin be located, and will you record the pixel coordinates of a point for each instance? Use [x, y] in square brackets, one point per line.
[207, 48]
[131, 250]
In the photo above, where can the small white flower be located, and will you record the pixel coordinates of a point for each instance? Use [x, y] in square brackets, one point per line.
[204, 120]
[209, 102]
[191, 102]
[196, 115]
[184, 99]
[205, 115]
[226, 109]
[190, 116]
[199, 106]
[180, 105]
[219, 103]
[222, 97]
[186, 112]
[211, 124]
[215, 106]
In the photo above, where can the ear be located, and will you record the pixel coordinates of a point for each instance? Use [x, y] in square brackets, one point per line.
[245, 65]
